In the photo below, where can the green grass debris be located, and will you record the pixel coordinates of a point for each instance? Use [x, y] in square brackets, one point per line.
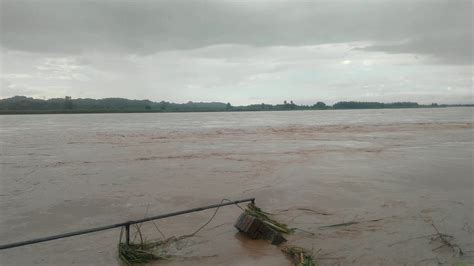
[132, 254]
[299, 256]
[265, 217]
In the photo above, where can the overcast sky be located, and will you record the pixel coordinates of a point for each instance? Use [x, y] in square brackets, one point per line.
[239, 51]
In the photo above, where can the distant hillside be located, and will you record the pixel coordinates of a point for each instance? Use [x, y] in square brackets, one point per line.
[27, 105]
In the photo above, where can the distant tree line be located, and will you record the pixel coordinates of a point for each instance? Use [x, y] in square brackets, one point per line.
[22, 104]
[67, 104]
[374, 105]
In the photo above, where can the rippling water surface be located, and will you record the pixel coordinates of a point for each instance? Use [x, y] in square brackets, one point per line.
[407, 167]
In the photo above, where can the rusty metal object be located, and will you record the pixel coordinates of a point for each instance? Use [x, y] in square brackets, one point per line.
[256, 229]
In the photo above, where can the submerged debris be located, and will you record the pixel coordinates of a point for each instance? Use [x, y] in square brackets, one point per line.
[446, 241]
[349, 223]
[265, 218]
[258, 224]
[132, 254]
[257, 229]
[254, 222]
[143, 252]
[299, 256]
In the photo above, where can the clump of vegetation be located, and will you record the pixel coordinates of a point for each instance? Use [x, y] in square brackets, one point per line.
[299, 256]
[265, 217]
[141, 253]
[148, 251]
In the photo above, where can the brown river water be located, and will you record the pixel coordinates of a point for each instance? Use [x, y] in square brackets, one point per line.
[394, 172]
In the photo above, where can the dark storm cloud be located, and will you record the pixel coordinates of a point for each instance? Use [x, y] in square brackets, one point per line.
[439, 28]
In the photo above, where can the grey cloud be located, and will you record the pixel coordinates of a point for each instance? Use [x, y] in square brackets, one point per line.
[449, 49]
[439, 28]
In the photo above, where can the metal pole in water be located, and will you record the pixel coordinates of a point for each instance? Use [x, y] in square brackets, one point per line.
[127, 234]
[126, 224]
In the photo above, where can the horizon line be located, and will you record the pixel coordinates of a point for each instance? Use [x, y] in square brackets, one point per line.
[226, 102]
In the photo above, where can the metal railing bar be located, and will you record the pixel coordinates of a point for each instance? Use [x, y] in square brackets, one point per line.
[112, 226]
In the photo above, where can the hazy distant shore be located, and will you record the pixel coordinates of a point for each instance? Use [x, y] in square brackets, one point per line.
[27, 105]
[39, 112]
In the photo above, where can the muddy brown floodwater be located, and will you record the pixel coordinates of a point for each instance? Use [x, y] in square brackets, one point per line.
[393, 171]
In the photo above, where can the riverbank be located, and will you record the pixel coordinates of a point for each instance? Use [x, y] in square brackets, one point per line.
[27, 105]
